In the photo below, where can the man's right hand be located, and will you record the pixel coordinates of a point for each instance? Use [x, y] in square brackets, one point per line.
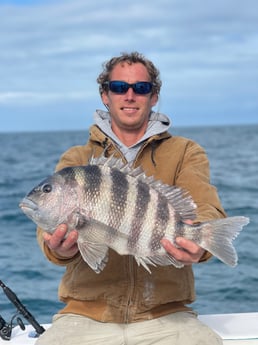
[65, 247]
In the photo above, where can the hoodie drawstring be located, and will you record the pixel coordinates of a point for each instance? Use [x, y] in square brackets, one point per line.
[105, 146]
[153, 145]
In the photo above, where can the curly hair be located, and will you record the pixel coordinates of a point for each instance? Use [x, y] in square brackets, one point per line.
[129, 58]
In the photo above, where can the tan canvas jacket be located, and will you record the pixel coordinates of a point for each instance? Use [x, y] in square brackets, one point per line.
[125, 292]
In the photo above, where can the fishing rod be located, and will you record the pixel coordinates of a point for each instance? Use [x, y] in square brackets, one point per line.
[5, 328]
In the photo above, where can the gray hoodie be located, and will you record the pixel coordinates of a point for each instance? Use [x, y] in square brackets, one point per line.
[158, 123]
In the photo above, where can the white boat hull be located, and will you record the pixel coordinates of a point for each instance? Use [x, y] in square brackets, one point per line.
[235, 329]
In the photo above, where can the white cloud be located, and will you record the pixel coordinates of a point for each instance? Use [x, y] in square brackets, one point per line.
[34, 98]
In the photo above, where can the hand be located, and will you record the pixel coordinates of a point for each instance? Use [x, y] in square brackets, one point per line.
[188, 253]
[64, 246]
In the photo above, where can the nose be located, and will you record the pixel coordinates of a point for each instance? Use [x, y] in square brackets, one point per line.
[130, 94]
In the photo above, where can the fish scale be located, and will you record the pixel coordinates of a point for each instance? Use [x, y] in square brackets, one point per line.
[118, 198]
[141, 205]
[115, 206]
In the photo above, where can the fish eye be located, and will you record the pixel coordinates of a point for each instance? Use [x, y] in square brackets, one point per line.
[47, 188]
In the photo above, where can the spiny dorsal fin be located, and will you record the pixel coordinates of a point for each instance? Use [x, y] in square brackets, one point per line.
[179, 198]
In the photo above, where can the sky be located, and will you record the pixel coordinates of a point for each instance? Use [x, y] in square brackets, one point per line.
[51, 53]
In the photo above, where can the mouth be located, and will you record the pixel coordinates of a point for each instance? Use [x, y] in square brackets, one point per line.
[130, 109]
[28, 206]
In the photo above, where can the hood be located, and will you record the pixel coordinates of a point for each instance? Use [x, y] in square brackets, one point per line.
[158, 123]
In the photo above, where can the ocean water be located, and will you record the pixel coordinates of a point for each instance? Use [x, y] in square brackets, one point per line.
[26, 158]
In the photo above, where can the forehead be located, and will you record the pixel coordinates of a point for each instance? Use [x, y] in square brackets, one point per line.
[130, 72]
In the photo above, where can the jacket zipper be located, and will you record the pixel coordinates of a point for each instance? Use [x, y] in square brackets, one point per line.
[131, 289]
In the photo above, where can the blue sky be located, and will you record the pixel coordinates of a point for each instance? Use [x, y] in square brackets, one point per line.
[52, 51]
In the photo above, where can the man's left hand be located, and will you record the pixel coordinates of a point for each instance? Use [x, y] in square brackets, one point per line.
[187, 251]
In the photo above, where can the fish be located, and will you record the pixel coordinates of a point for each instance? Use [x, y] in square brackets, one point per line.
[113, 205]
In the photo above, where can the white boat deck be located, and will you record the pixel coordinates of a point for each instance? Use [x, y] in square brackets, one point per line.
[235, 329]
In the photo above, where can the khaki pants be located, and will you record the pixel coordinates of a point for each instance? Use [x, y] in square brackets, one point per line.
[175, 329]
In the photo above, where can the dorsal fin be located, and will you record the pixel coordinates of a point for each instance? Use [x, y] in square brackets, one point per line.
[179, 198]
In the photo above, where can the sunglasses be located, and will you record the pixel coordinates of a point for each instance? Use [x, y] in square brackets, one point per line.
[121, 87]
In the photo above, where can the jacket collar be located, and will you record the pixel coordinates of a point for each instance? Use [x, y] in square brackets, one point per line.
[110, 147]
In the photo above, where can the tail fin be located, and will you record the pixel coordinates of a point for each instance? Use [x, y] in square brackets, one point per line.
[217, 236]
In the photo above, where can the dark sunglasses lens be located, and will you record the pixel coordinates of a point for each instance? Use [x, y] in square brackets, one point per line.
[142, 87]
[118, 86]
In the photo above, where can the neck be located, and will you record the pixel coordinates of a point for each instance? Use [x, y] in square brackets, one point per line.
[129, 137]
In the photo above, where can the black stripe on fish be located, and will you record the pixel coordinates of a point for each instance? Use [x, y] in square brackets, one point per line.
[93, 178]
[118, 198]
[161, 221]
[69, 176]
[142, 201]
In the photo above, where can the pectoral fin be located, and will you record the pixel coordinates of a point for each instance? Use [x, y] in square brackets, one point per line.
[94, 254]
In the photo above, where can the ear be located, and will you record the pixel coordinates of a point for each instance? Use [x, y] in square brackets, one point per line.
[104, 98]
[154, 99]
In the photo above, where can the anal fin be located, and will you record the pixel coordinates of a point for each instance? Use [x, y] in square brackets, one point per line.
[161, 260]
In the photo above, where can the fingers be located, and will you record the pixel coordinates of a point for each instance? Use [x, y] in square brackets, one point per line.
[188, 252]
[65, 246]
[55, 240]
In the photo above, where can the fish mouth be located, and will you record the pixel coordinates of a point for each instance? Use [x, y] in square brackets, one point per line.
[28, 206]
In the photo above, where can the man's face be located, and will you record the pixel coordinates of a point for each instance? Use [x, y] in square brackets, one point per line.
[129, 111]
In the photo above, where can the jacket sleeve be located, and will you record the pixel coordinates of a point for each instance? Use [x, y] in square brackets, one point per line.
[77, 155]
[194, 176]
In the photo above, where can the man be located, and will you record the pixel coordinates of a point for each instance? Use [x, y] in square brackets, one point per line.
[124, 304]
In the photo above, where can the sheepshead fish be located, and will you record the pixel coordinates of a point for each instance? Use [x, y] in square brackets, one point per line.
[115, 206]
